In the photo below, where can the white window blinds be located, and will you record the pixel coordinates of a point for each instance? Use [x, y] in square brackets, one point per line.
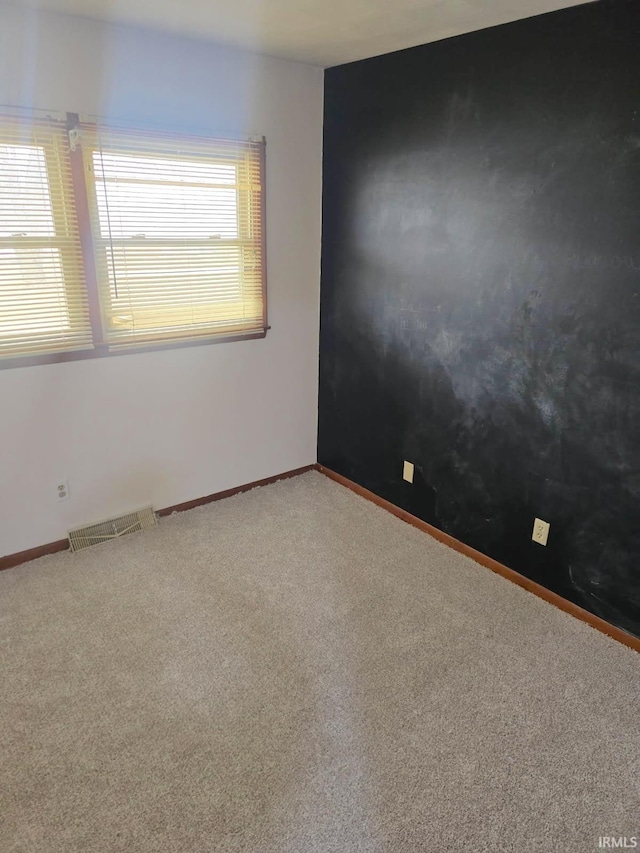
[43, 301]
[178, 233]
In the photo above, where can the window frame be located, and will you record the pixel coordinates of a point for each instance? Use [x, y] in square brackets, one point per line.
[101, 347]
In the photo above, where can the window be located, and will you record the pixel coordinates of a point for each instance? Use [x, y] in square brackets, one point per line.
[113, 239]
[178, 235]
[43, 300]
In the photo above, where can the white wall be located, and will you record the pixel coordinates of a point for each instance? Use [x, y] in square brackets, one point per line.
[166, 427]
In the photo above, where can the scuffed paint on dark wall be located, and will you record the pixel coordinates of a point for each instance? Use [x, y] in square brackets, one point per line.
[481, 292]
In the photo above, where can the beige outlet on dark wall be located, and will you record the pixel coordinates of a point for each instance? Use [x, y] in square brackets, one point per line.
[407, 471]
[540, 531]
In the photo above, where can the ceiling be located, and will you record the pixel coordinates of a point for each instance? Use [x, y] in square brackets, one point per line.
[321, 32]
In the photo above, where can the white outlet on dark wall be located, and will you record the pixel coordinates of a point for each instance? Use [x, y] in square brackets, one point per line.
[62, 490]
[540, 531]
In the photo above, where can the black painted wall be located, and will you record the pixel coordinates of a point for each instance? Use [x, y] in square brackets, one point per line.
[481, 292]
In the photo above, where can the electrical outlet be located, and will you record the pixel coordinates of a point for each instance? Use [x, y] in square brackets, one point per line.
[62, 490]
[407, 472]
[540, 531]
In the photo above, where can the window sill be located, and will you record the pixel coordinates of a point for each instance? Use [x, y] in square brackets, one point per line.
[104, 352]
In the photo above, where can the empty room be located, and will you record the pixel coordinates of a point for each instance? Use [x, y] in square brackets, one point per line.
[319, 426]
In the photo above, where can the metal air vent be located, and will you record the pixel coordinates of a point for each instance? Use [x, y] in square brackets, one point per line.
[112, 528]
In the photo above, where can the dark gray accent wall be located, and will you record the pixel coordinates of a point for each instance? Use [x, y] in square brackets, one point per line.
[480, 303]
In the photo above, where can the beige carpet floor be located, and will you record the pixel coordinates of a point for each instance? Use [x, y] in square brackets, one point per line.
[293, 669]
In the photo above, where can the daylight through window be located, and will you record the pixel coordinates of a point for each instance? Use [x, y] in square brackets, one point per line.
[122, 238]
